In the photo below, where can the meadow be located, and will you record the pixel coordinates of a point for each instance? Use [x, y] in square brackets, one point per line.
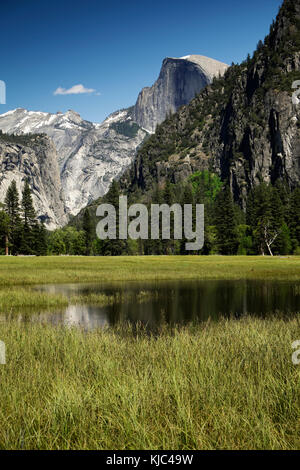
[229, 384]
[225, 385]
[69, 269]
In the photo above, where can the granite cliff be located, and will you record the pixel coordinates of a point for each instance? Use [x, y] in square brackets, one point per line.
[33, 158]
[178, 83]
[244, 126]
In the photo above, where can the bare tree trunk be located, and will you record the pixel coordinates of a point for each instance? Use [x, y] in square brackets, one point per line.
[269, 248]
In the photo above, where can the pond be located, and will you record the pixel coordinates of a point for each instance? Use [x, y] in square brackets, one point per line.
[173, 302]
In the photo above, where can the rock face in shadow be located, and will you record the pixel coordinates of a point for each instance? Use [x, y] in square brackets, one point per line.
[178, 83]
[245, 126]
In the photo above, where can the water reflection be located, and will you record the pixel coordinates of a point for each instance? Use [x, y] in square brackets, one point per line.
[173, 302]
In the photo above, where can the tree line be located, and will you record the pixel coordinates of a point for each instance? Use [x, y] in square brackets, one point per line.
[268, 224]
[20, 230]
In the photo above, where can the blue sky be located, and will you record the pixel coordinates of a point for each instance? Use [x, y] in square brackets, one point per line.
[115, 48]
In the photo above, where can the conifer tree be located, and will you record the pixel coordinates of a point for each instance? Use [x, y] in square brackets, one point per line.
[29, 215]
[265, 216]
[294, 219]
[40, 239]
[187, 198]
[168, 246]
[154, 247]
[12, 209]
[30, 230]
[4, 232]
[225, 222]
[115, 247]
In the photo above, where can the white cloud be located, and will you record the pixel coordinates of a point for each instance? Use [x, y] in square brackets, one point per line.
[74, 90]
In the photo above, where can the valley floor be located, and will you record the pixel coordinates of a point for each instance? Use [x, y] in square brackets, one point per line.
[229, 384]
[225, 385]
[64, 269]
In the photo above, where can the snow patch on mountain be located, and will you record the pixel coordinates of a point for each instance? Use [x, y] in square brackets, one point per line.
[90, 155]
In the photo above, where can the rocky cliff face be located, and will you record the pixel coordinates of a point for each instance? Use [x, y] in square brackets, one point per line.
[178, 83]
[89, 155]
[244, 126]
[35, 158]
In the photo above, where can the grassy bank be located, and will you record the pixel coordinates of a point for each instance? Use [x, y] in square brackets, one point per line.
[228, 385]
[25, 271]
[17, 299]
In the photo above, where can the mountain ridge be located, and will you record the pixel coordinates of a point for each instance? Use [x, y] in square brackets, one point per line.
[90, 155]
[243, 127]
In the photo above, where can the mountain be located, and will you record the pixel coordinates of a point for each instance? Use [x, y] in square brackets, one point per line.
[178, 83]
[33, 158]
[244, 126]
[89, 155]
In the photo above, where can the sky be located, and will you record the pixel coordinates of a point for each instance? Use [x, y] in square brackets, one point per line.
[94, 57]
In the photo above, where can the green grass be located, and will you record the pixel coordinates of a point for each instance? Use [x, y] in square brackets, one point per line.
[41, 270]
[21, 299]
[225, 385]
[18, 299]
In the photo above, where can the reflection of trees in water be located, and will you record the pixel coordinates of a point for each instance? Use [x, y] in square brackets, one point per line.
[179, 302]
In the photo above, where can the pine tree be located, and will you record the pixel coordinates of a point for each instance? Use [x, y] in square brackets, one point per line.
[168, 246]
[294, 219]
[40, 238]
[225, 222]
[114, 247]
[13, 211]
[30, 231]
[29, 215]
[265, 215]
[154, 247]
[187, 198]
[4, 232]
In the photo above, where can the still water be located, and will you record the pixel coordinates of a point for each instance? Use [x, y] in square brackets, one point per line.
[174, 302]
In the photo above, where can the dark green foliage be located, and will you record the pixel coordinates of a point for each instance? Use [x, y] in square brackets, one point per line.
[114, 247]
[225, 222]
[12, 209]
[268, 215]
[40, 239]
[24, 139]
[294, 219]
[67, 241]
[4, 231]
[30, 225]
[88, 231]
[25, 234]
[29, 215]
[127, 128]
